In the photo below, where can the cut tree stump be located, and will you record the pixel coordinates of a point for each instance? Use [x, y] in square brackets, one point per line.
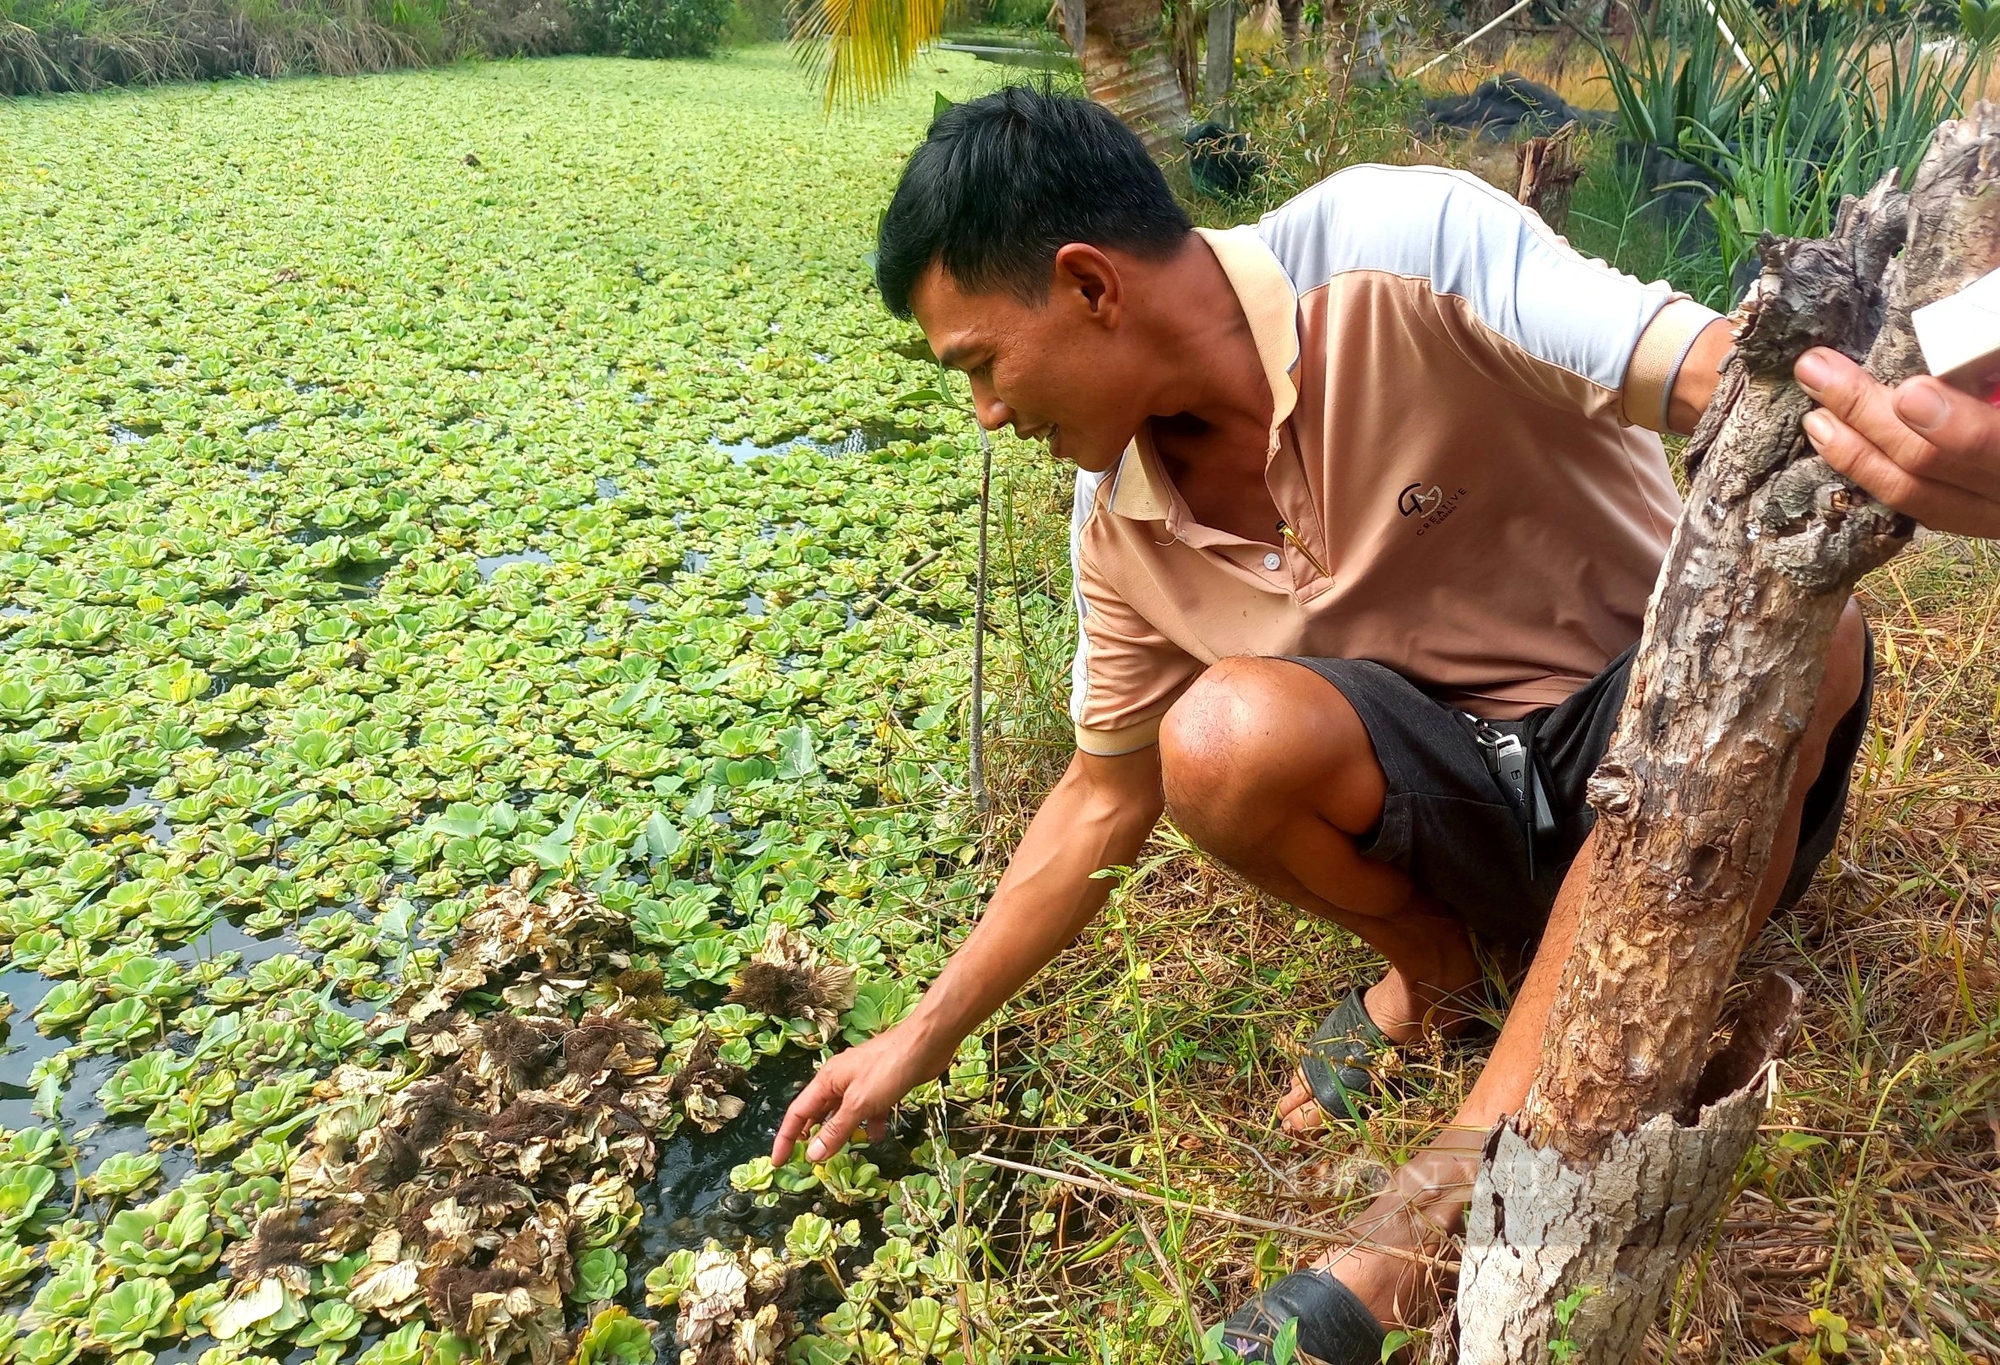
[1618, 1164]
[1549, 168]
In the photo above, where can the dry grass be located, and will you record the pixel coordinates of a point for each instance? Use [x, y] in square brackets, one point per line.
[46, 49]
[1561, 61]
[1159, 1044]
[1570, 67]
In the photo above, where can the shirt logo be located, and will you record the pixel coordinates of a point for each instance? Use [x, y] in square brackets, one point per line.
[1416, 500]
[1428, 505]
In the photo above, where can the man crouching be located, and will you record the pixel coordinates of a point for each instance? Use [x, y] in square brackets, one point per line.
[1368, 507]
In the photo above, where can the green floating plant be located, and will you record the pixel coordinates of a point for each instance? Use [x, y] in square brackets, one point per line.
[346, 582]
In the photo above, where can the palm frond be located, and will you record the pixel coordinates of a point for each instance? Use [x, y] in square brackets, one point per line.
[860, 50]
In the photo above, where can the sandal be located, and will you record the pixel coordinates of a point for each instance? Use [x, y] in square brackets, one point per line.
[1334, 1327]
[1342, 1063]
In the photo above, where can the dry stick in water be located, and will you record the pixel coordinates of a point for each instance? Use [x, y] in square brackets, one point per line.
[876, 599]
[1622, 1156]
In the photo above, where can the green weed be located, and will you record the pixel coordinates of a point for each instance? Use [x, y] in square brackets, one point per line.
[1810, 103]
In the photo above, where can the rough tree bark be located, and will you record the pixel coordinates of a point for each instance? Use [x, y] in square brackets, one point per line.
[1128, 66]
[1619, 1162]
[1549, 168]
[1291, 20]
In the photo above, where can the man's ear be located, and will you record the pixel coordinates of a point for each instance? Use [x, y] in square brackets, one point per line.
[1088, 278]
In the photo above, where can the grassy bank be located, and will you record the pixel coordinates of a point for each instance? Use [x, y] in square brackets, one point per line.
[46, 45]
[1864, 1218]
[1162, 1044]
[60, 45]
[1864, 1221]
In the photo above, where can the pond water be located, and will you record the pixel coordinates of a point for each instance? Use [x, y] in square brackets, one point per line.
[688, 1201]
[366, 574]
[26, 1045]
[80, 1114]
[138, 797]
[488, 565]
[862, 439]
[743, 452]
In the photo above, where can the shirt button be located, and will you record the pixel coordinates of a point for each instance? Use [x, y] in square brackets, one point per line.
[1272, 561]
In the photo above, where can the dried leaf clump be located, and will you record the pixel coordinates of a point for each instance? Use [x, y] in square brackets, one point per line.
[550, 950]
[785, 980]
[734, 1307]
[502, 1150]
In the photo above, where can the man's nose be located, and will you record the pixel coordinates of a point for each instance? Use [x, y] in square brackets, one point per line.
[986, 405]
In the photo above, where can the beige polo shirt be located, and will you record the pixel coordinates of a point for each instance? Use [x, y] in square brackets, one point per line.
[1462, 438]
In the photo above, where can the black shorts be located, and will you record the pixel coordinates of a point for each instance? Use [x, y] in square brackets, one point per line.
[1447, 821]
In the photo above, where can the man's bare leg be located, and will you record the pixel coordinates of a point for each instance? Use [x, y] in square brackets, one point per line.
[1268, 769]
[1426, 1203]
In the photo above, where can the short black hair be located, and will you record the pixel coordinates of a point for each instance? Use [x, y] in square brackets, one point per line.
[1005, 181]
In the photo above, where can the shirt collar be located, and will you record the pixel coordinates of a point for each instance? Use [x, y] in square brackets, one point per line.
[1139, 488]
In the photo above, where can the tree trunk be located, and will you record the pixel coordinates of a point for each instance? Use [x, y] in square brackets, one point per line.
[1291, 21]
[1619, 1162]
[1221, 73]
[1128, 67]
[1184, 37]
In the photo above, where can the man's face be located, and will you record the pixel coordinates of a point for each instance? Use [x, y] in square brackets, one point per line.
[1056, 370]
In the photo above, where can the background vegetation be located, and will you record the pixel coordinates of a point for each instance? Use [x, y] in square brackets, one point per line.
[650, 28]
[58, 45]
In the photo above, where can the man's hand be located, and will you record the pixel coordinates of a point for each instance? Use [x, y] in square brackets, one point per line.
[1096, 817]
[859, 1087]
[1922, 447]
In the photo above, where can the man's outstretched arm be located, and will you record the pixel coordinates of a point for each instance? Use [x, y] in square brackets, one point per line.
[1096, 817]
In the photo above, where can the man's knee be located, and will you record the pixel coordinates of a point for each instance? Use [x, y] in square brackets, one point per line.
[1218, 745]
[1254, 740]
[1846, 672]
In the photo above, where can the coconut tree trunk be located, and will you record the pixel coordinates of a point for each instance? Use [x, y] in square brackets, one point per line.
[1221, 73]
[1620, 1161]
[1073, 21]
[1291, 21]
[1128, 66]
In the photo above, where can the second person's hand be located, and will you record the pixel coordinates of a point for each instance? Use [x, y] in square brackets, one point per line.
[1922, 447]
[859, 1087]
